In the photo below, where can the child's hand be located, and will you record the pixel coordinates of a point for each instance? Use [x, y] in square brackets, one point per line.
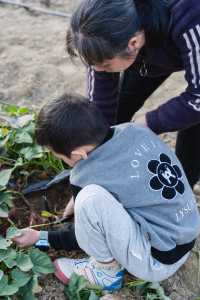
[27, 238]
[69, 209]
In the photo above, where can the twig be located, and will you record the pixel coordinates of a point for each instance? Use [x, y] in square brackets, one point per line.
[23, 198]
[45, 224]
[57, 222]
[11, 222]
[38, 9]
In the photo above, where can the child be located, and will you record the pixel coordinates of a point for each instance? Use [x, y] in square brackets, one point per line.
[134, 208]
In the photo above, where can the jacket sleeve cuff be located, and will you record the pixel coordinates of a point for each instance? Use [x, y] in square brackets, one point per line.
[152, 122]
[64, 239]
[43, 235]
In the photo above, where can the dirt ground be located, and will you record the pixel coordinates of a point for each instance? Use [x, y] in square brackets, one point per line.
[35, 68]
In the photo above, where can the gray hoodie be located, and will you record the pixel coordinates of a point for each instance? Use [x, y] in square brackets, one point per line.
[144, 174]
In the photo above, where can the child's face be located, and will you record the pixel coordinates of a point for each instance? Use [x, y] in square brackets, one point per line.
[69, 161]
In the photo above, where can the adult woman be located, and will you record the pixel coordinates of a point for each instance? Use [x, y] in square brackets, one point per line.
[148, 40]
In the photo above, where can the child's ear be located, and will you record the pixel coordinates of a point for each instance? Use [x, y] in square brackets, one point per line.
[80, 152]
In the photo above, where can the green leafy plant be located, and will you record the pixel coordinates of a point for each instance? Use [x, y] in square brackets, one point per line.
[149, 291]
[80, 289]
[20, 159]
[17, 141]
[20, 269]
[5, 203]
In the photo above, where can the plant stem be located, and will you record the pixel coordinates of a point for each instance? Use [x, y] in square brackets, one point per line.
[11, 222]
[45, 224]
[23, 198]
[3, 158]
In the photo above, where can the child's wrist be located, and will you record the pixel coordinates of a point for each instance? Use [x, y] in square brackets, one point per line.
[43, 243]
[43, 235]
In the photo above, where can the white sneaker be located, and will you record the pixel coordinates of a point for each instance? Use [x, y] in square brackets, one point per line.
[108, 276]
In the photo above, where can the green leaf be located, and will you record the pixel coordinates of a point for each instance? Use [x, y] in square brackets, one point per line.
[27, 292]
[151, 297]
[135, 283]
[5, 203]
[10, 263]
[22, 110]
[1, 274]
[20, 278]
[9, 253]
[30, 153]
[3, 132]
[30, 128]
[19, 162]
[41, 262]
[4, 243]
[6, 197]
[93, 296]
[11, 109]
[3, 213]
[4, 207]
[4, 141]
[23, 137]
[80, 289]
[47, 214]
[24, 262]
[28, 296]
[8, 257]
[7, 289]
[13, 232]
[3, 282]
[159, 291]
[33, 284]
[5, 176]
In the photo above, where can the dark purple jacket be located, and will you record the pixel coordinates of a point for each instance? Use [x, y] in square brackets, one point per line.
[180, 51]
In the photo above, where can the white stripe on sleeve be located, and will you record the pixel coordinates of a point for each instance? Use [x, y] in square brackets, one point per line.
[89, 79]
[190, 55]
[197, 49]
[91, 94]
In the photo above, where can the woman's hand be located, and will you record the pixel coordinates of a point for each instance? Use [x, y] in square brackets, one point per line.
[69, 209]
[27, 238]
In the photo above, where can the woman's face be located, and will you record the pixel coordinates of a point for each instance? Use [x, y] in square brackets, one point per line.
[118, 63]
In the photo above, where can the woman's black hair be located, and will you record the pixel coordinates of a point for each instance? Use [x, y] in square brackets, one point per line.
[101, 29]
[155, 17]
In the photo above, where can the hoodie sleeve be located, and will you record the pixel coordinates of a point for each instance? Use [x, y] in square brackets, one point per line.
[103, 90]
[64, 239]
[183, 111]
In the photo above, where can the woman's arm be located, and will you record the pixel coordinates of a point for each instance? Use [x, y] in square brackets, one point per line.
[183, 111]
[103, 89]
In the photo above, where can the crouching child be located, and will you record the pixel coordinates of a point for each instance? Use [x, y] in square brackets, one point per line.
[134, 208]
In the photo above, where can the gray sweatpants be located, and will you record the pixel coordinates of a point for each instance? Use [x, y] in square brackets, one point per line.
[105, 231]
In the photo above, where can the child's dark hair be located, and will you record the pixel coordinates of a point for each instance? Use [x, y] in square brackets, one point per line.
[100, 30]
[69, 122]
